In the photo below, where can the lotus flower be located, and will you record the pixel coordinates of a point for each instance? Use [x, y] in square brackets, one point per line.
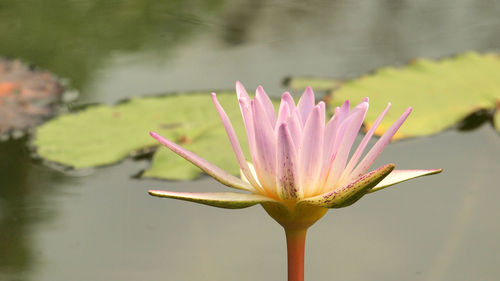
[300, 166]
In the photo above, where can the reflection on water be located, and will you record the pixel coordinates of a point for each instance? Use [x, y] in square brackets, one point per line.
[74, 38]
[114, 49]
[340, 39]
[16, 255]
[104, 226]
[23, 205]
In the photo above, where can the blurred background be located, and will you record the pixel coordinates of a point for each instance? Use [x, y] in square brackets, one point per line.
[100, 224]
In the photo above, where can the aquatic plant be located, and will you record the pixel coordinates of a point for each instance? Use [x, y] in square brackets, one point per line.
[300, 165]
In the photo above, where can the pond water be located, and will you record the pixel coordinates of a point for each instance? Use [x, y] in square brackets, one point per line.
[100, 224]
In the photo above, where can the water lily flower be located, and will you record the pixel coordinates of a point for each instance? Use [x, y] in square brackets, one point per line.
[300, 165]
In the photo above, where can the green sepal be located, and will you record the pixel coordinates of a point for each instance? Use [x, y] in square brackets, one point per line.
[227, 200]
[352, 192]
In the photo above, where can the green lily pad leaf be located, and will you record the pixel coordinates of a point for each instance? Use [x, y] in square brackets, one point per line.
[101, 135]
[441, 92]
[211, 144]
[318, 84]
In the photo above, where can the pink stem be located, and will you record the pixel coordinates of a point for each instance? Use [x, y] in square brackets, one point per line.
[295, 243]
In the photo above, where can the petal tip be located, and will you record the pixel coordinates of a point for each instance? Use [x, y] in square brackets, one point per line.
[363, 105]
[283, 126]
[240, 91]
[153, 192]
[239, 85]
[309, 91]
[398, 176]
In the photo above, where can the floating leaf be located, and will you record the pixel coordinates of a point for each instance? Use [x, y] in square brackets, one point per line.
[318, 84]
[441, 92]
[211, 143]
[27, 96]
[101, 135]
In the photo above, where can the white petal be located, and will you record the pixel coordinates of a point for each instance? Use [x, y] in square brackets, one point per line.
[397, 176]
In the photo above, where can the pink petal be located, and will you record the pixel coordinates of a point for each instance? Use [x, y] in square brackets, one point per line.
[228, 200]
[344, 110]
[241, 92]
[283, 114]
[286, 97]
[321, 105]
[311, 150]
[331, 133]
[361, 148]
[209, 168]
[246, 113]
[288, 182]
[234, 142]
[379, 146]
[262, 97]
[265, 141]
[295, 128]
[350, 128]
[306, 104]
[397, 176]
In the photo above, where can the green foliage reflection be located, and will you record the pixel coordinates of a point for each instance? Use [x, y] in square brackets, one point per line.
[71, 38]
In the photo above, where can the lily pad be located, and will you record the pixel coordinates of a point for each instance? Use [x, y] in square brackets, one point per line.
[441, 92]
[27, 97]
[101, 135]
[318, 84]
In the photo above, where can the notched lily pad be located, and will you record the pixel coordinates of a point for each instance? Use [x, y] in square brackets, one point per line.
[27, 97]
[101, 135]
[442, 92]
